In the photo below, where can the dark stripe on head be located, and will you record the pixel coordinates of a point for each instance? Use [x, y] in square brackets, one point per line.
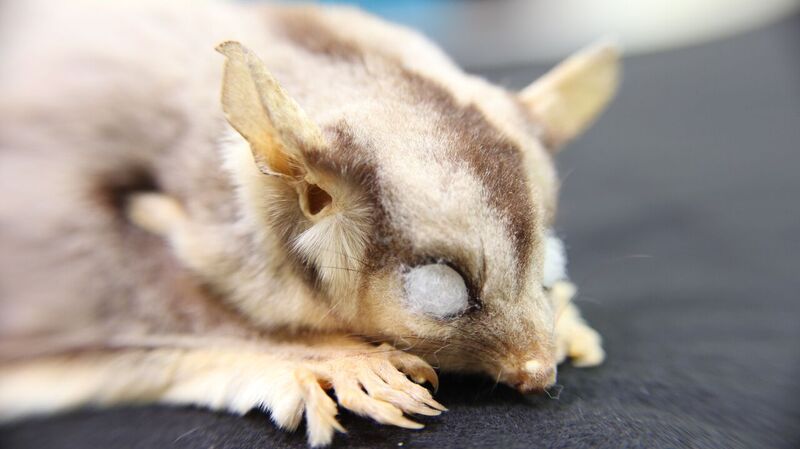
[305, 28]
[493, 157]
[350, 160]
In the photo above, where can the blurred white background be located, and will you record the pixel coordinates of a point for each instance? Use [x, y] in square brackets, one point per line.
[490, 33]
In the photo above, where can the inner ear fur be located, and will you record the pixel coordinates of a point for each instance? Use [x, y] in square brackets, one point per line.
[570, 96]
[274, 125]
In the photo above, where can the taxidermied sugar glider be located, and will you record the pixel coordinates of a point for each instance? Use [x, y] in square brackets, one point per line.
[353, 212]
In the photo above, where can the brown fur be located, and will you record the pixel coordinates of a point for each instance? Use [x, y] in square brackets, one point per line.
[492, 156]
[412, 161]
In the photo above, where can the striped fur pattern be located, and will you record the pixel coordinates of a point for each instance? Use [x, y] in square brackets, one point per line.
[247, 254]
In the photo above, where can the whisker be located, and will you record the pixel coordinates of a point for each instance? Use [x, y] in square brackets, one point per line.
[346, 256]
[438, 345]
[330, 267]
[496, 380]
[558, 389]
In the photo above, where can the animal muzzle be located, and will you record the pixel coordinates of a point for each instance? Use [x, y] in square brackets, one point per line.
[532, 377]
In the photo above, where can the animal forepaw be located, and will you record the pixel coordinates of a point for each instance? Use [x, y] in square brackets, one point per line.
[154, 212]
[583, 345]
[574, 337]
[372, 383]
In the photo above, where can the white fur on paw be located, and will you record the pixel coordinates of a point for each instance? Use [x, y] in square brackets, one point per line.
[154, 212]
[319, 408]
[574, 338]
[582, 344]
[585, 348]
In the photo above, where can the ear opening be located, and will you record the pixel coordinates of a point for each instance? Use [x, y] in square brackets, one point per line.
[314, 201]
[274, 125]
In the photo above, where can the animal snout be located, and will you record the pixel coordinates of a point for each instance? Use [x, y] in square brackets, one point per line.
[533, 377]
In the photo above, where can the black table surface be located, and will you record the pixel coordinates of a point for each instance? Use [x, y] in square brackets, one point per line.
[681, 214]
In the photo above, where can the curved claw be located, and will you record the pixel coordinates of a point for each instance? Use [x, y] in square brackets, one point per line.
[398, 396]
[399, 381]
[352, 397]
[426, 374]
[320, 410]
[418, 369]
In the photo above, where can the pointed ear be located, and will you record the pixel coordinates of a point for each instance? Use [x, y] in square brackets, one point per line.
[272, 123]
[569, 97]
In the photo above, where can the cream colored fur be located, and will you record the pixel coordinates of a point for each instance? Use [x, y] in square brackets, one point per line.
[574, 338]
[222, 286]
[283, 379]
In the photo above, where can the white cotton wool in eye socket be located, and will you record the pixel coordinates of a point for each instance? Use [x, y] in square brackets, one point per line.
[555, 260]
[435, 290]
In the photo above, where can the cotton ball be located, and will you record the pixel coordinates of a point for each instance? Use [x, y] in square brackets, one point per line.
[555, 260]
[435, 290]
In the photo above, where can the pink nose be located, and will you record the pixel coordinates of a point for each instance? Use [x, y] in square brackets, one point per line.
[534, 377]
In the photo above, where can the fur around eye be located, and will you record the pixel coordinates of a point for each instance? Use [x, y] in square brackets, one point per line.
[435, 290]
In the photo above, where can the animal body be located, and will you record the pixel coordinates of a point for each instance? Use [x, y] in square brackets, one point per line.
[324, 202]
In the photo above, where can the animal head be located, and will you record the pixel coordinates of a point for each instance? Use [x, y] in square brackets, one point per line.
[420, 212]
